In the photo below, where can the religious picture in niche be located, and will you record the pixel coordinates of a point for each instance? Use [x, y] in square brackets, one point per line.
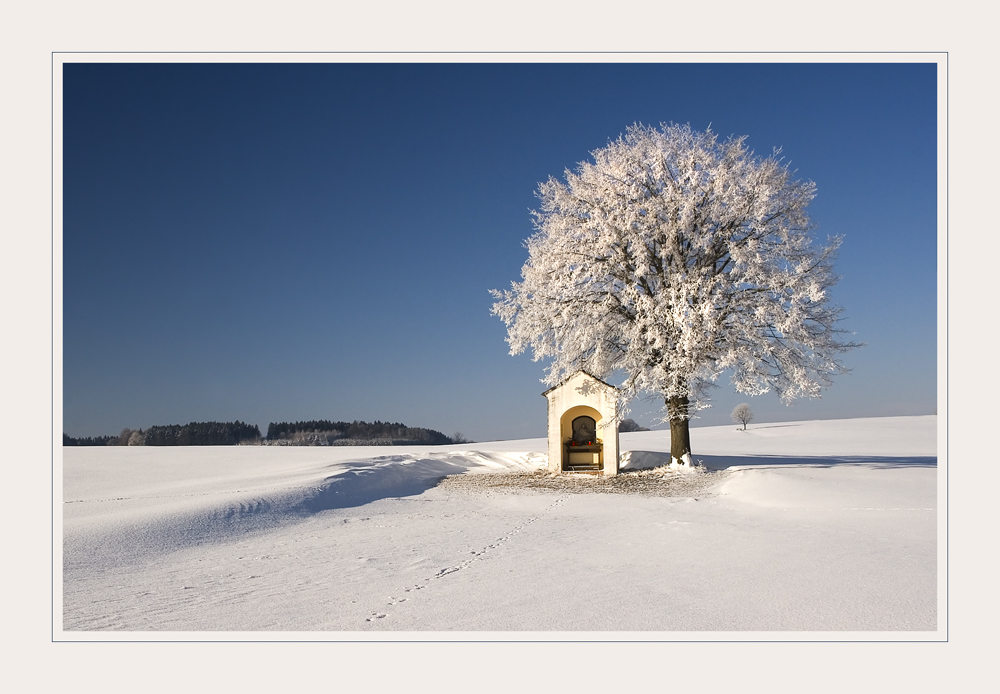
[584, 430]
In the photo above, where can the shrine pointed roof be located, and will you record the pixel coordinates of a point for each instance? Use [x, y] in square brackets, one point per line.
[573, 375]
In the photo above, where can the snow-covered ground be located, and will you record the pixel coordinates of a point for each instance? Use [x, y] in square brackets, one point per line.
[820, 529]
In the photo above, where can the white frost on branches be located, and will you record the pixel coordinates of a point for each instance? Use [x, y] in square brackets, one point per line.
[742, 414]
[673, 257]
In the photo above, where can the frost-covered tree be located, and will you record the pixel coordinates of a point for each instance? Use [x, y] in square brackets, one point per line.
[671, 258]
[742, 414]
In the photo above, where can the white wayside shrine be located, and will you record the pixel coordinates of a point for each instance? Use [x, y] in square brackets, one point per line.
[583, 426]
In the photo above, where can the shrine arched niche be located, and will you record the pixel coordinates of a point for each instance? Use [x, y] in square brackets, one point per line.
[580, 429]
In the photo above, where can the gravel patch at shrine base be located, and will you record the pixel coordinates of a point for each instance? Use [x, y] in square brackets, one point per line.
[697, 482]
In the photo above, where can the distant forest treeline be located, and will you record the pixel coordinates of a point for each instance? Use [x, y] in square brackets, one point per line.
[192, 434]
[324, 432]
[312, 433]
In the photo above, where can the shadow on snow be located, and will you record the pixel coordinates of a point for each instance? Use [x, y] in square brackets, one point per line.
[639, 460]
[724, 462]
[391, 477]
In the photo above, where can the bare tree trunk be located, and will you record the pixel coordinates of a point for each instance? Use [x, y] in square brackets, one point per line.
[680, 435]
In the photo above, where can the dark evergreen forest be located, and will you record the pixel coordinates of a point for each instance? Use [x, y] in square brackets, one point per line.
[192, 434]
[325, 432]
[90, 440]
[311, 433]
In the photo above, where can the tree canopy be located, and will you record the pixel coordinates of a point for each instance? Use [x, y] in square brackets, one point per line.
[742, 414]
[671, 258]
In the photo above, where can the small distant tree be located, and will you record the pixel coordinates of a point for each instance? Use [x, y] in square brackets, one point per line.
[742, 414]
[459, 437]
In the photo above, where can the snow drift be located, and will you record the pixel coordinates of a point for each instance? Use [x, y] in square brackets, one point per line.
[817, 527]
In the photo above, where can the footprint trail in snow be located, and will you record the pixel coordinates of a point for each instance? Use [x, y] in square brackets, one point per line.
[476, 555]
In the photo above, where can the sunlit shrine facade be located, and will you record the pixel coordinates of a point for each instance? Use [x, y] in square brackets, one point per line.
[583, 426]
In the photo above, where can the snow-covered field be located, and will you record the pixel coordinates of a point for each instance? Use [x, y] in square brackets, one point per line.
[821, 529]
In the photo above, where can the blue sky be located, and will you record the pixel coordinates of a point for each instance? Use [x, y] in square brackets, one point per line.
[317, 241]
